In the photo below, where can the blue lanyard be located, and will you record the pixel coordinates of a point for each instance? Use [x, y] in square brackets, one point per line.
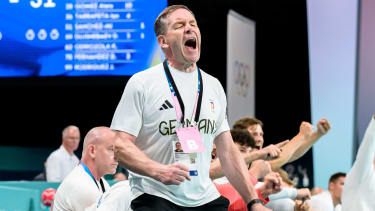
[87, 170]
[175, 93]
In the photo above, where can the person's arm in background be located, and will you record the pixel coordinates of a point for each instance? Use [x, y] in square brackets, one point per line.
[289, 149]
[267, 152]
[53, 170]
[292, 193]
[235, 169]
[260, 168]
[364, 163]
[323, 127]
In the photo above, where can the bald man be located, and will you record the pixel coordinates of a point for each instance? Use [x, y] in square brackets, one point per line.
[63, 160]
[85, 184]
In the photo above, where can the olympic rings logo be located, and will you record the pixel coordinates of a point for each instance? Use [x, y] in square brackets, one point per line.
[241, 78]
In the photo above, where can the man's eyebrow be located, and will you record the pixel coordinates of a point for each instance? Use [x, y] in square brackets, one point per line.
[178, 22]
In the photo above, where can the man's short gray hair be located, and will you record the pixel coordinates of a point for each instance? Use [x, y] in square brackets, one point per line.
[160, 26]
[68, 127]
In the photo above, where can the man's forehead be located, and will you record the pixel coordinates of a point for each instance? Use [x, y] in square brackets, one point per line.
[340, 179]
[180, 15]
[255, 127]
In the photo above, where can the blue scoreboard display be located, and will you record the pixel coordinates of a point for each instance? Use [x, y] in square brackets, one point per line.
[78, 37]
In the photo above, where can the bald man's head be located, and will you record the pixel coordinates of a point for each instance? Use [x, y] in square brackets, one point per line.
[98, 135]
[98, 150]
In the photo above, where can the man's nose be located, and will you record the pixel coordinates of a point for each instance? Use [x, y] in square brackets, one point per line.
[188, 29]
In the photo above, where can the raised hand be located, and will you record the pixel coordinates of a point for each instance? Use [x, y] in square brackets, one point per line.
[323, 126]
[306, 129]
[303, 194]
[272, 184]
[270, 152]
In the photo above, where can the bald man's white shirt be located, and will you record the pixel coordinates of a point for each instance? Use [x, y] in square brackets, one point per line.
[118, 198]
[59, 164]
[78, 191]
[359, 187]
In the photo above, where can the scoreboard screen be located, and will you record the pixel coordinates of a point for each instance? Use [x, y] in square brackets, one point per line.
[78, 37]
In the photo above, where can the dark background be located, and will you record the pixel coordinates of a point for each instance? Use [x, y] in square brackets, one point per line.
[34, 110]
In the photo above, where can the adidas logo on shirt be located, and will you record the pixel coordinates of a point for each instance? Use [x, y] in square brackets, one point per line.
[166, 105]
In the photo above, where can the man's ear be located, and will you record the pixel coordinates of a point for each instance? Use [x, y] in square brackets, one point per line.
[92, 150]
[162, 41]
[330, 184]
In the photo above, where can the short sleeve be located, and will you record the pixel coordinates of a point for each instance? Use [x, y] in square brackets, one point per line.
[222, 122]
[128, 114]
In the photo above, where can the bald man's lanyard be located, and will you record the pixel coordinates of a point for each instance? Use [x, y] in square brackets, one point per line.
[188, 137]
[87, 170]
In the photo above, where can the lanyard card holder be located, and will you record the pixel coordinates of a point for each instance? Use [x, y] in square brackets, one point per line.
[189, 141]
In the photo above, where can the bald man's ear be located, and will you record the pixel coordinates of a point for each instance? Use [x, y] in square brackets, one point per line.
[162, 41]
[91, 150]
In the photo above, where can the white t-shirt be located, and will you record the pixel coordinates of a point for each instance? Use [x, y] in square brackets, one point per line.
[118, 198]
[359, 188]
[323, 202]
[145, 112]
[78, 191]
[59, 164]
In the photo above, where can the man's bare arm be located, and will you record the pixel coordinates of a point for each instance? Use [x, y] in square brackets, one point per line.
[270, 151]
[234, 167]
[323, 127]
[132, 158]
[289, 149]
[217, 172]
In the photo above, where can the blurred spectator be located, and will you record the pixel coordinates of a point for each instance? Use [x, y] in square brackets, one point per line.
[63, 160]
[330, 200]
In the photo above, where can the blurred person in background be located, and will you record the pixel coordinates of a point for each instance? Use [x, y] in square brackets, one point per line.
[330, 200]
[62, 161]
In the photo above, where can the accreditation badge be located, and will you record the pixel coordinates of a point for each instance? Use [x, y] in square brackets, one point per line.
[186, 147]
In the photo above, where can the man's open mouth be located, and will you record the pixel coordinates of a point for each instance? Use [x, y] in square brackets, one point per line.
[191, 43]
